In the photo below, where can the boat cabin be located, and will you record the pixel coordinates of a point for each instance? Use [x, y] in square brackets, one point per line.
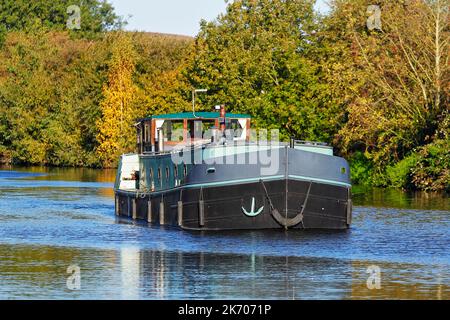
[163, 132]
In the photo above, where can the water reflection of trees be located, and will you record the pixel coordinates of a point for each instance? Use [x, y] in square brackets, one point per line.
[396, 198]
[68, 174]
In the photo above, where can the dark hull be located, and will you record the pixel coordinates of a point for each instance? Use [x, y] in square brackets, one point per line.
[293, 204]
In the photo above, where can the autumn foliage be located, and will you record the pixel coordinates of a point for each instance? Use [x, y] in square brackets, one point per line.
[379, 95]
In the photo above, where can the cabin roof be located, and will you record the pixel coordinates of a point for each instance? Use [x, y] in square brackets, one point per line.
[200, 114]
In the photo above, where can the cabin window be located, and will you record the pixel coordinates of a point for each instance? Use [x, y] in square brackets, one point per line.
[151, 174]
[167, 173]
[175, 171]
[207, 126]
[234, 125]
[159, 175]
[173, 130]
[195, 129]
[185, 170]
[147, 133]
[200, 129]
[139, 135]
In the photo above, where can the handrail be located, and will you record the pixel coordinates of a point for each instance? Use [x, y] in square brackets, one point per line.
[192, 147]
[209, 145]
[312, 143]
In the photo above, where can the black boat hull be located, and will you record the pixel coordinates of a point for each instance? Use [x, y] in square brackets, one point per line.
[263, 204]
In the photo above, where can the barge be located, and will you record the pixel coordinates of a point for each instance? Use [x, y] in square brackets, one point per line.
[207, 171]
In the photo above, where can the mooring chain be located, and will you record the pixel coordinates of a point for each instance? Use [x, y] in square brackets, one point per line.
[304, 204]
[267, 195]
[283, 220]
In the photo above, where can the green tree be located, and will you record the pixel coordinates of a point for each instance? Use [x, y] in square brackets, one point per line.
[392, 83]
[393, 80]
[50, 87]
[95, 15]
[161, 58]
[255, 59]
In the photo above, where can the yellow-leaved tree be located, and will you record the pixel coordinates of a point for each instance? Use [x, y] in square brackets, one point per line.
[115, 127]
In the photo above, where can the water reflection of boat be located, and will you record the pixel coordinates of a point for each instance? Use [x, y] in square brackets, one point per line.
[201, 275]
[202, 172]
[184, 275]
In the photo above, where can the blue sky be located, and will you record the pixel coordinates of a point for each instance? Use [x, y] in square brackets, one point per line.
[172, 16]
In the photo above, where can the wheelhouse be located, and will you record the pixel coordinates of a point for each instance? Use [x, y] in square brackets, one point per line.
[164, 132]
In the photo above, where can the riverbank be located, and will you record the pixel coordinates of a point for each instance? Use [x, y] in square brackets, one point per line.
[427, 171]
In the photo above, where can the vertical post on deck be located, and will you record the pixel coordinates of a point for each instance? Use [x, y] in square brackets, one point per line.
[117, 205]
[349, 207]
[292, 143]
[180, 213]
[247, 134]
[201, 212]
[201, 209]
[161, 212]
[134, 209]
[149, 211]
[185, 130]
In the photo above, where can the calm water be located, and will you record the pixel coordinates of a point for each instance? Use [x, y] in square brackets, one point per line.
[51, 219]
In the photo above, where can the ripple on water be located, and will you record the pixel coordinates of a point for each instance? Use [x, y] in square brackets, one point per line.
[74, 221]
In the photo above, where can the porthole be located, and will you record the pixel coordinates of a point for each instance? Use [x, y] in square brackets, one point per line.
[343, 170]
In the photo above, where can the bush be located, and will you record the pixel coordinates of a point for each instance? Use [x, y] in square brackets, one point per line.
[361, 169]
[432, 170]
[5, 155]
[400, 174]
[426, 168]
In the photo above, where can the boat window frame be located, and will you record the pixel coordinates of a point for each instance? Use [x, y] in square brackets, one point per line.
[146, 131]
[160, 176]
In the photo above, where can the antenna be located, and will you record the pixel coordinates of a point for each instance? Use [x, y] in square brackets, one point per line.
[194, 94]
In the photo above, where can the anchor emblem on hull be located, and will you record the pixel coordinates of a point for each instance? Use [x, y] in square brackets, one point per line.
[252, 212]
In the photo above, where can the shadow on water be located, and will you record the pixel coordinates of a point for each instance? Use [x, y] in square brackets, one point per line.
[51, 218]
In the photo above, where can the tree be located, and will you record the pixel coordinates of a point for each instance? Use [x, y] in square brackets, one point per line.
[51, 89]
[255, 59]
[393, 82]
[49, 95]
[95, 15]
[161, 59]
[116, 130]
[401, 72]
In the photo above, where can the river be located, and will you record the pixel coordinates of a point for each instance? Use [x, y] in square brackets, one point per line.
[60, 239]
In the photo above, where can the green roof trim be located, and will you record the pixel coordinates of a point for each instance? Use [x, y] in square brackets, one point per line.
[202, 115]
